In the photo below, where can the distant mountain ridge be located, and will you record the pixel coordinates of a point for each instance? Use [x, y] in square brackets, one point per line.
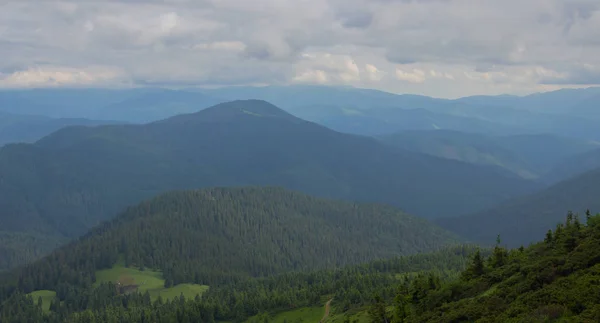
[522, 219]
[79, 176]
[15, 128]
[530, 156]
[570, 113]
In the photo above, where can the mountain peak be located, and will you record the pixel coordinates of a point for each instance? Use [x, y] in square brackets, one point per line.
[253, 107]
[236, 109]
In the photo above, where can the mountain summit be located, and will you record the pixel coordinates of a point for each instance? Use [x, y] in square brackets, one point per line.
[233, 110]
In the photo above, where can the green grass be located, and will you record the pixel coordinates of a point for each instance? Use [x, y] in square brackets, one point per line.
[148, 280]
[188, 290]
[47, 297]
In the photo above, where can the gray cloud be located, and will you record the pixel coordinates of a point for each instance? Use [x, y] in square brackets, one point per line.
[357, 20]
[489, 46]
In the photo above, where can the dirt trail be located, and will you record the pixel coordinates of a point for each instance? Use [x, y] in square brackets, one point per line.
[327, 309]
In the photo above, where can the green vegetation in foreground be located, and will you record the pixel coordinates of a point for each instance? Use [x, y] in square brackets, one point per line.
[305, 315]
[234, 301]
[148, 280]
[359, 317]
[556, 280]
[47, 297]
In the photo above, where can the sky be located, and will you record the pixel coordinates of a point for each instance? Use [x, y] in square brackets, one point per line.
[440, 48]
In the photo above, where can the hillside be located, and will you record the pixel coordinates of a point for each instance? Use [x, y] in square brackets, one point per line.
[16, 128]
[77, 177]
[520, 220]
[574, 166]
[528, 156]
[215, 235]
[279, 297]
[552, 281]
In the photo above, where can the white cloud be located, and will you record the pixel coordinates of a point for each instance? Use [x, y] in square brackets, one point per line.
[314, 76]
[414, 76]
[461, 47]
[61, 76]
[327, 68]
[373, 73]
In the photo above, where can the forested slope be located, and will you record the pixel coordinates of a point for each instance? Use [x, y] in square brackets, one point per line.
[218, 235]
[352, 288]
[77, 177]
[519, 221]
[553, 281]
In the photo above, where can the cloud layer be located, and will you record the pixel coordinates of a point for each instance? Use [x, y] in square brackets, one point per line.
[444, 48]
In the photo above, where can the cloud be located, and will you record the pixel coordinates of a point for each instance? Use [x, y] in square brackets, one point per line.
[373, 73]
[471, 47]
[61, 76]
[327, 68]
[414, 76]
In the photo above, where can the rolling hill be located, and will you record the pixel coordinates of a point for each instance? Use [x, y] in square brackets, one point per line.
[79, 176]
[217, 235]
[520, 220]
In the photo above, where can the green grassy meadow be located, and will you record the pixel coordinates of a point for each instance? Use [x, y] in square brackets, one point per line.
[148, 280]
[47, 297]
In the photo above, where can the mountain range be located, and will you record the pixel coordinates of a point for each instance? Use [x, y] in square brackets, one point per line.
[547, 158]
[569, 113]
[79, 176]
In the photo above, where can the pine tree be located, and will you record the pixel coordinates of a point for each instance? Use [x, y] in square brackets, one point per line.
[377, 312]
[588, 215]
[476, 268]
[549, 237]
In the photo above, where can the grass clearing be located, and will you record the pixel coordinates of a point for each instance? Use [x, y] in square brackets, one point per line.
[147, 280]
[47, 297]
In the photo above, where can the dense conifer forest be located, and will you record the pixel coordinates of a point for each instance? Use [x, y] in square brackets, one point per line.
[238, 300]
[218, 235]
[554, 280]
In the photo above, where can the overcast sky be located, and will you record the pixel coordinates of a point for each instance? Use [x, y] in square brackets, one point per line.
[442, 48]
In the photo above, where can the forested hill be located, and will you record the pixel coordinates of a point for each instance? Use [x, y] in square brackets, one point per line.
[557, 280]
[522, 219]
[77, 177]
[212, 236]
